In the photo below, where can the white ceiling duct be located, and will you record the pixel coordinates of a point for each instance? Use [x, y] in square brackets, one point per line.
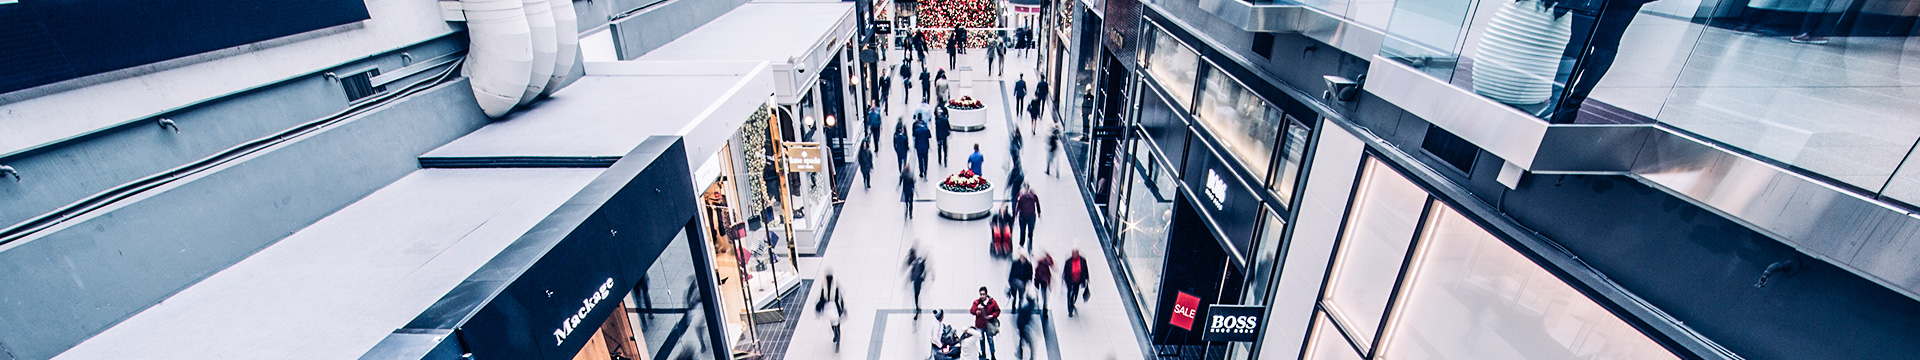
[540, 24]
[566, 28]
[500, 56]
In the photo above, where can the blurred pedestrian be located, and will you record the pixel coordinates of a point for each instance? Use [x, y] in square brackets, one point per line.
[922, 138]
[900, 143]
[1043, 277]
[961, 36]
[1027, 210]
[886, 91]
[940, 87]
[907, 184]
[1033, 110]
[1023, 324]
[1041, 92]
[917, 276]
[873, 125]
[942, 128]
[1074, 275]
[994, 49]
[1053, 145]
[926, 84]
[866, 164]
[906, 83]
[1018, 277]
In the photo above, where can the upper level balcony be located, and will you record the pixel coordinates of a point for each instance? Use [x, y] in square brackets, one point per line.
[1796, 117]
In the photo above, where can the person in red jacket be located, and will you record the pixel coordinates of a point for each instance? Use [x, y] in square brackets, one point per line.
[986, 319]
[1074, 275]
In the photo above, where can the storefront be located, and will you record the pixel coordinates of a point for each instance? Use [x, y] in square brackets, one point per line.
[613, 275]
[742, 204]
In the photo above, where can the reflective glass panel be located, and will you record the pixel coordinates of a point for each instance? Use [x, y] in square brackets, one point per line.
[1239, 118]
[1471, 296]
[1267, 254]
[1386, 209]
[669, 312]
[1327, 343]
[1144, 232]
[1174, 65]
[1293, 153]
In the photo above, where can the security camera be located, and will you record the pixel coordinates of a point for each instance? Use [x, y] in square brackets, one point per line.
[1341, 89]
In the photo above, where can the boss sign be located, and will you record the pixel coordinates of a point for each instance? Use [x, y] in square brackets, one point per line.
[1232, 323]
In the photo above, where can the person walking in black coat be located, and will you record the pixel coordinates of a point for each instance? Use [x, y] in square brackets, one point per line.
[900, 143]
[906, 83]
[1020, 91]
[942, 127]
[922, 138]
[960, 34]
[886, 91]
[953, 51]
[1040, 92]
[866, 164]
[907, 184]
[917, 275]
[1018, 277]
[1033, 109]
[1074, 274]
[926, 85]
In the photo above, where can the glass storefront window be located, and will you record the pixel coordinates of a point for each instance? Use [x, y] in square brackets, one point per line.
[1380, 226]
[1240, 119]
[1174, 65]
[1326, 342]
[669, 298]
[1267, 255]
[1293, 154]
[1471, 296]
[1143, 234]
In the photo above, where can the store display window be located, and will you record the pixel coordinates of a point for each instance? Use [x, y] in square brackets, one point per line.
[666, 310]
[1386, 209]
[1143, 233]
[1471, 296]
[1174, 65]
[1239, 119]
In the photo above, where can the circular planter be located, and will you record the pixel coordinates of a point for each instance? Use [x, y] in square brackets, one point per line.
[967, 120]
[963, 205]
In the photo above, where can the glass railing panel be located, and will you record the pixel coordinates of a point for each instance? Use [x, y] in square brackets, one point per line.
[1426, 34]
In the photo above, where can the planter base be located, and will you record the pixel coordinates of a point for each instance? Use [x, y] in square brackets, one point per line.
[966, 128]
[967, 216]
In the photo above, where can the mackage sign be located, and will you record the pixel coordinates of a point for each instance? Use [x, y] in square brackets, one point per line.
[586, 306]
[1232, 323]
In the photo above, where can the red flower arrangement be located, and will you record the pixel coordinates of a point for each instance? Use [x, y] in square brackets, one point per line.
[940, 16]
[965, 182]
[965, 102]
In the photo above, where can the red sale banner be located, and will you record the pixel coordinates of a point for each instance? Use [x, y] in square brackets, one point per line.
[1185, 308]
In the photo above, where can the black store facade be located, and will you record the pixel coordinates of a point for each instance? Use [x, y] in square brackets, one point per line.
[616, 273]
[1215, 162]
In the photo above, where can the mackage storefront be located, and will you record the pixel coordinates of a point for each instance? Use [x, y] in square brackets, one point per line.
[617, 273]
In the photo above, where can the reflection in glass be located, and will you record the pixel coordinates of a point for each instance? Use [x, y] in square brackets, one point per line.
[1240, 119]
[1293, 153]
[1144, 232]
[1174, 65]
[1266, 256]
[1386, 208]
[1425, 34]
[1471, 296]
[668, 310]
[1327, 343]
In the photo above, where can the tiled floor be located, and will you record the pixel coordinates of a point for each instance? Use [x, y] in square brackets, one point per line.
[872, 237]
[775, 337]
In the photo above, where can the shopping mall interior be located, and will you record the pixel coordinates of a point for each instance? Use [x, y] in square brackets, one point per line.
[1072, 179]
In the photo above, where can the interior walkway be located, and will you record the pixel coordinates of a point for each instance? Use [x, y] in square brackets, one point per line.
[871, 241]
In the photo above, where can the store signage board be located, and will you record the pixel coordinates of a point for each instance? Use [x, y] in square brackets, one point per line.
[805, 157]
[1232, 323]
[1185, 308]
[586, 306]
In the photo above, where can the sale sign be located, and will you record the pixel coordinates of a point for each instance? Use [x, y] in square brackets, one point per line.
[1185, 308]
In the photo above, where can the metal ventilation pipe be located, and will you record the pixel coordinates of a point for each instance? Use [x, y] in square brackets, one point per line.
[540, 25]
[500, 56]
[566, 28]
